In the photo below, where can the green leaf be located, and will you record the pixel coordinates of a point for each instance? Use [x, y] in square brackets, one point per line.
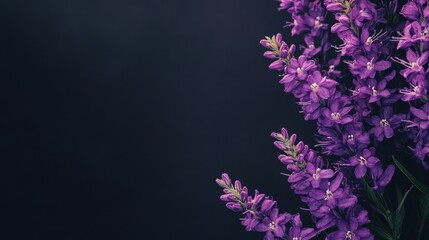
[399, 214]
[380, 232]
[424, 213]
[372, 196]
[423, 188]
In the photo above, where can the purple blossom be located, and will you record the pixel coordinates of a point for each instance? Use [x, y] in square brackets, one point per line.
[274, 224]
[412, 34]
[414, 63]
[422, 117]
[319, 86]
[298, 68]
[375, 90]
[350, 230]
[384, 125]
[333, 196]
[381, 178]
[362, 161]
[363, 12]
[317, 174]
[355, 136]
[368, 66]
[369, 41]
[337, 112]
[421, 151]
[296, 231]
[411, 11]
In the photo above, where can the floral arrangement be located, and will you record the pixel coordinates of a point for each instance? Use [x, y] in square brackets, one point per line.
[362, 77]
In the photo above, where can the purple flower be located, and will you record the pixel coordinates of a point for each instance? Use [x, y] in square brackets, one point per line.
[285, 4]
[319, 86]
[362, 13]
[421, 150]
[355, 137]
[297, 232]
[412, 33]
[414, 64]
[367, 41]
[318, 174]
[298, 68]
[333, 195]
[417, 89]
[381, 178]
[311, 50]
[337, 112]
[274, 224]
[384, 125]
[366, 159]
[350, 44]
[422, 116]
[367, 67]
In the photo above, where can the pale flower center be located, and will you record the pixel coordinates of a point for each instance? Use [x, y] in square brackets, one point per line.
[350, 138]
[335, 115]
[349, 235]
[370, 65]
[362, 160]
[416, 89]
[311, 46]
[316, 175]
[369, 41]
[314, 87]
[299, 70]
[374, 91]
[384, 123]
[272, 225]
[331, 68]
[329, 194]
[415, 65]
[317, 22]
[297, 238]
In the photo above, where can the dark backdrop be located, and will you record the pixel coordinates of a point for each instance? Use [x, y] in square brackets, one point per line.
[118, 115]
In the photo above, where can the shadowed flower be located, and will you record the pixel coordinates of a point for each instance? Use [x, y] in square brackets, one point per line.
[363, 161]
[384, 125]
[274, 225]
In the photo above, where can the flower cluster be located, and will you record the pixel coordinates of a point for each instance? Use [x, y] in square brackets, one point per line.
[326, 192]
[344, 122]
[345, 79]
[413, 40]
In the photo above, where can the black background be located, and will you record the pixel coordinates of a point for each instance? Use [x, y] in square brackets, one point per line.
[118, 116]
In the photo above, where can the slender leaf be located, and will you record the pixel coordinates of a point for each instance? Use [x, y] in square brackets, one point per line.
[423, 188]
[424, 214]
[399, 214]
[380, 232]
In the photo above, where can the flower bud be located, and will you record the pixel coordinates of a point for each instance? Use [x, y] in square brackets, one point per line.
[276, 65]
[237, 185]
[286, 159]
[279, 39]
[226, 179]
[292, 139]
[280, 145]
[270, 54]
[265, 43]
[236, 207]
[228, 197]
